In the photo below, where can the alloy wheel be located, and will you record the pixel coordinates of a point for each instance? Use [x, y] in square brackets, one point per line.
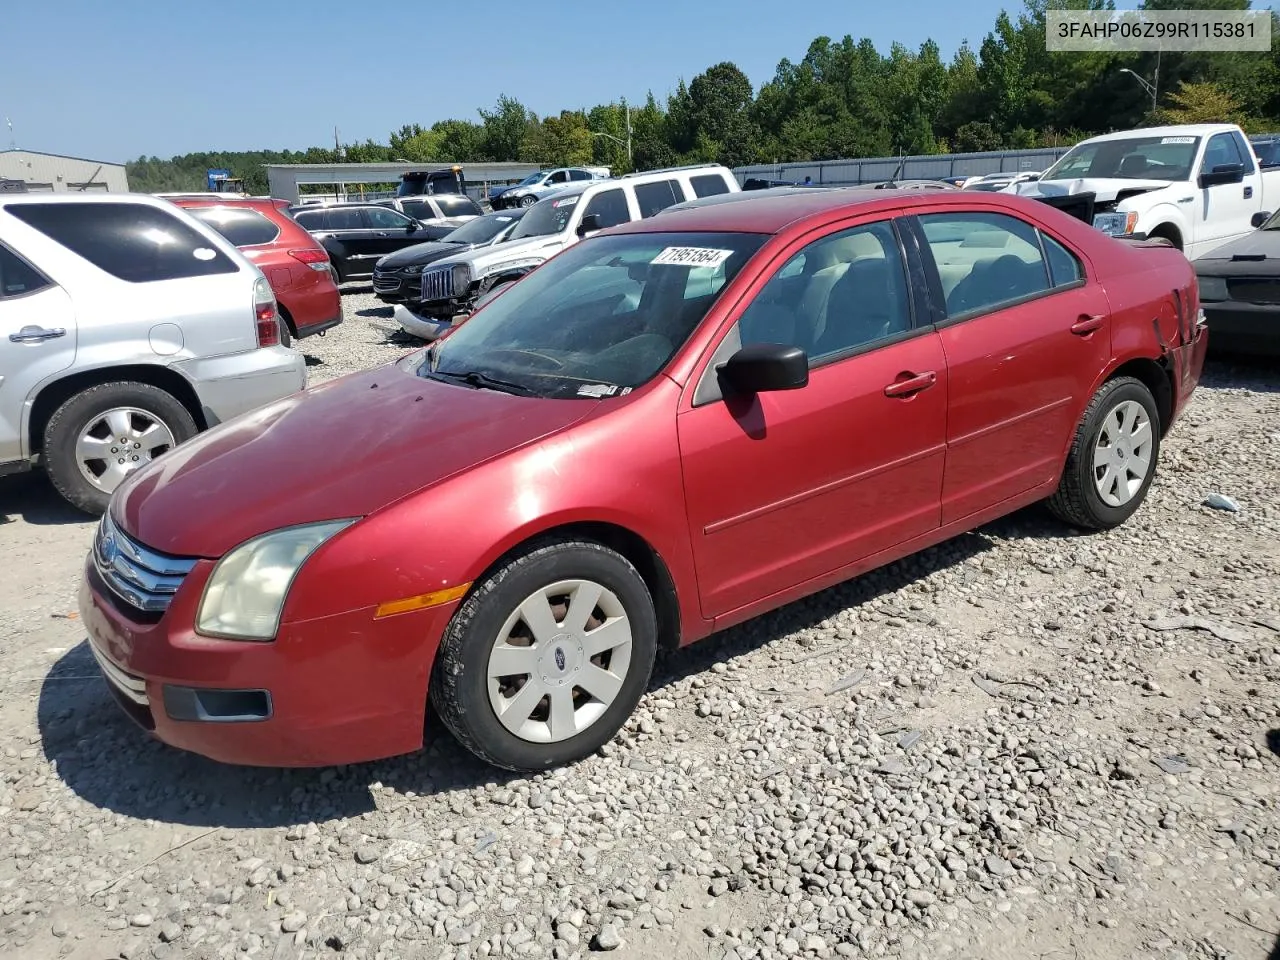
[115, 443]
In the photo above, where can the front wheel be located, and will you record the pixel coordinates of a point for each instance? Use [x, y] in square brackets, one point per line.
[528, 201]
[1112, 459]
[547, 658]
[102, 434]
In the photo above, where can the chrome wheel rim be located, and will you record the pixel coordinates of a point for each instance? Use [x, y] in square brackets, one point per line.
[115, 443]
[559, 661]
[1122, 454]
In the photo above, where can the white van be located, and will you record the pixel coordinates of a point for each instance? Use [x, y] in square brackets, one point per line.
[451, 287]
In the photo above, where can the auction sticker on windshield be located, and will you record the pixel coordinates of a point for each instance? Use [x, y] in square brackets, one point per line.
[692, 256]
[1178, 140]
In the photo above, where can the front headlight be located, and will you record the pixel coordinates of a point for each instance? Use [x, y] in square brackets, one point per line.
[1212, 288]
[1116, 224]
[414, 269]
[247, 589]
[508, 265]
[461, 278]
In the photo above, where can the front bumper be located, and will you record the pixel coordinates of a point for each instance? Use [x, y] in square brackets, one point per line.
[424, 328]
[335, 690]
[239, 382]
[1240, 327]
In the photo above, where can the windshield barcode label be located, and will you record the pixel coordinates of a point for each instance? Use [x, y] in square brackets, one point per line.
[692, 256]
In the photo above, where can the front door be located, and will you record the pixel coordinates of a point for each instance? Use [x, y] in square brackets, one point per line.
[1026, 335]
[788, 486]
[37, 339]
[391, 230]
[1223, 211]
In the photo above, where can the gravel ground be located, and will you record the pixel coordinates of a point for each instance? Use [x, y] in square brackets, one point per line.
[1022, 743]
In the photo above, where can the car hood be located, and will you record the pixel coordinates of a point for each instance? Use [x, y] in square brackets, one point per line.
[345, 448]
[1105, 189]
[482, 258]
[1253, 254]
[421, 253]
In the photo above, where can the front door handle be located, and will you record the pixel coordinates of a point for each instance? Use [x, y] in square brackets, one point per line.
[909, 384]
[31, 334]
[1248, 192]
[1086, 325]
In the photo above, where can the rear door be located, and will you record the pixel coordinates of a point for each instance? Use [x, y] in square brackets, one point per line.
[37, 340]
[1026, 333]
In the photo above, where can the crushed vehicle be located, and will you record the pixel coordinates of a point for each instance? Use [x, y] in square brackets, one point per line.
[1197, 186]
[538, 185]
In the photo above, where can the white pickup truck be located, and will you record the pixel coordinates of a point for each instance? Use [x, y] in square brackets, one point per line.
[1196, 185]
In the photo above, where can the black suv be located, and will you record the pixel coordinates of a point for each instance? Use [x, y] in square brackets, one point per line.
[358, 234]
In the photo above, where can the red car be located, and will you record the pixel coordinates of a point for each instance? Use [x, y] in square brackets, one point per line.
[668, 428]
[292, 260]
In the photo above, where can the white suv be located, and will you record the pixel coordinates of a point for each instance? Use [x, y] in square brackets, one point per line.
[126, 327]
[456, 285]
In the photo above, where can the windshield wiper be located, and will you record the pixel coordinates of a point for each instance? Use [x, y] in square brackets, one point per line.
[480, 380]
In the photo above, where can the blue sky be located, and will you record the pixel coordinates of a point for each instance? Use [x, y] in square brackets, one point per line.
[112, 81]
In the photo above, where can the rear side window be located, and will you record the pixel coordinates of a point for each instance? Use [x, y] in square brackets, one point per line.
[418, 209]
[340, 219]
[130, 241]
[310, 219]
[579, 175]
[243, 227]
[17, 277]
[708, 185]
[458, 206]
[653, 197]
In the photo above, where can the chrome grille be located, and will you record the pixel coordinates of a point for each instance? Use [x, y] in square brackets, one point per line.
[437, 284]
[142, 578]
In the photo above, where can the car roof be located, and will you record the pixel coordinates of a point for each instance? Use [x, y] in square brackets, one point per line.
[1180, 130]
[77, 197]
[772, 211]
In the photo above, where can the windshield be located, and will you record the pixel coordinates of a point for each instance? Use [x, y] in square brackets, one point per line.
[598, 319]
[412, 184]
[531, 178]
[546, 217]
[1135, 158]
[481, 229]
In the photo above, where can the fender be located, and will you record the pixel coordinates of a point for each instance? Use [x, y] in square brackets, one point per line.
[1162, 213]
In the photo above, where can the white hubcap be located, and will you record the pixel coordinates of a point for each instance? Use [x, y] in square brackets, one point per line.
[114, 444]
[559, 661]
[1122, 456]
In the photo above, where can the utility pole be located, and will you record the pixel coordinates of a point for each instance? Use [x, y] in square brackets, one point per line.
[627, 111]
[13, 143]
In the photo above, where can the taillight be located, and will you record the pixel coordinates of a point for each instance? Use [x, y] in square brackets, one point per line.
[314, 257]
[264, 311]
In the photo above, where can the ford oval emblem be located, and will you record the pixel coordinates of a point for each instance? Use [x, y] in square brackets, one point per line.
[559, 658]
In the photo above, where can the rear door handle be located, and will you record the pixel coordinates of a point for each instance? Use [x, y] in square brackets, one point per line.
[31, 334]
[909, 384]
[1086, 325]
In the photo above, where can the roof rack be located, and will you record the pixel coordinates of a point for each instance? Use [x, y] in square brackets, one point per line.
[688, 166]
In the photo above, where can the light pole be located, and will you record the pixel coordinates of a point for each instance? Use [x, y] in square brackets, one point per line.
[1151, 88]
[621, 143]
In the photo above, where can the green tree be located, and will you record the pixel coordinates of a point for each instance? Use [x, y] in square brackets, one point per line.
[505, 128]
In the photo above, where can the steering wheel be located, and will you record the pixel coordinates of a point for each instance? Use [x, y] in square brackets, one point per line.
[530, 353]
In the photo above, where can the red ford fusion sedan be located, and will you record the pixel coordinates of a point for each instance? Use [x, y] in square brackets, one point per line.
[670, 427]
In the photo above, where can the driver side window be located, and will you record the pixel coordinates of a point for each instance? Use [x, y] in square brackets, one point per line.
[835, 296]
[610, 206]
[381, 218]
[1221, 150]
[559, 176]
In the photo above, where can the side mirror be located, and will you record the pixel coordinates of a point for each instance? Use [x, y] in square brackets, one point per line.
[590, 224]
[1222, 173]
[764, 367]
[1259, 218]
[412, 228]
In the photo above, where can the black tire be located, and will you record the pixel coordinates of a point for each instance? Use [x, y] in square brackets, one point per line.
[1076, 501]
[489, 295]
[458, 687]
[77, 413]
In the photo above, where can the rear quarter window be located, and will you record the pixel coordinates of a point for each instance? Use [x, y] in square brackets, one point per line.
[243, 227]
[134, 242]
[708, 185]
[17, 277]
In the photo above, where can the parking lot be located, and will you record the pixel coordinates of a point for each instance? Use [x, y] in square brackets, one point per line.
[1022, 743]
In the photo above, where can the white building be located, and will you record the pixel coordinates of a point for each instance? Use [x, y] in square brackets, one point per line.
[53, 172]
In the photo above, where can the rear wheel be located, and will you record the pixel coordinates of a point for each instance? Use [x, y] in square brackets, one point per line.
[102, 434]
[548, 656]
[1112, 459]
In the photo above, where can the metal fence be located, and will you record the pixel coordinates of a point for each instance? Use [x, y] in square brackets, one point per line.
[924, 167]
